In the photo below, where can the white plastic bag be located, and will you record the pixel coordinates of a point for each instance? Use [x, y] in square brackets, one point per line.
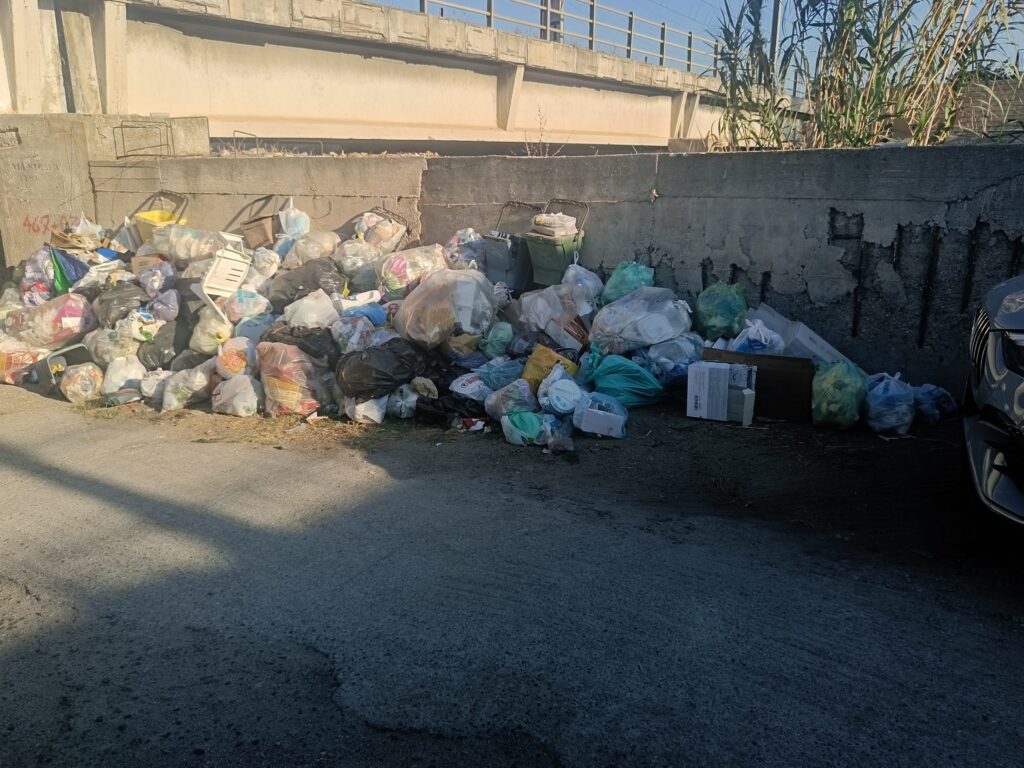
[236, 357]
[470, 386]
[210, 332]
[123, 373]
[313, 311]
[368, 411]
[238, 396]
[639, 319]
[140, 325]
[153, 385]
[402, 402]
[188, 386]
[758, 339]
[585, 286]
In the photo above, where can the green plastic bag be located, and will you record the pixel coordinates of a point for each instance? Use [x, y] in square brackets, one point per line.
[495, 344]
[522, 427]
[626, 278]
[626, 381]
[721, 311]
[837, 395]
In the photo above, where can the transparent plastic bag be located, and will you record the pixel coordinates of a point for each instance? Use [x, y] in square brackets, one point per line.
[153, 385]
[188, 387]
[553, 311]
[165, 306]
[123, 373]
[210, 332]
[312, 245]
[889, 405]
[106, 344]
[402, 402]
[16, 359]
[236, 357]
[82, 383]
[556, 434]
[555, 224]
[244, 304]
[266, 262]
[158, 278]
[184, 245]
[401, 272]
[758, 339]
[466, 249]
[670, 360]
[352, 333]
[626, 278]
[837, 395]
[517, 396]
[446, 303]
[36, 286]
[140, 324]
[360, 262]
[53, 324]
[721, 311]
[289, 377]
[640, 319]
[238, 396]
[382, 336]
[380, 232]
[586, 287]
[313, 311]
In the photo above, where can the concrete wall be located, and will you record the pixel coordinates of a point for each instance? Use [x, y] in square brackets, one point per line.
[885, 252]
[338, 70]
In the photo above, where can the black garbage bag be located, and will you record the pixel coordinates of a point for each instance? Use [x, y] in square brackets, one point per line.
[447, 408]
[296, 283]
[165, 346]
[318, 343]
[379, 371]
[116, 302]
[188, 359]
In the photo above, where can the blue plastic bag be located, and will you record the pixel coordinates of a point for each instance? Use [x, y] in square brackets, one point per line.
[623, 379]
[500, 372]
[626, 278]
[721, 311]
[932, 404]
[889, 407]
[375, 313]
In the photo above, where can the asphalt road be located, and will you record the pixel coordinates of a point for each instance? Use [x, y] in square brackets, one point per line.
[694, 595]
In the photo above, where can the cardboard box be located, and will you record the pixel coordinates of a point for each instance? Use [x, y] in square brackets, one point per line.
[140, 263]
[707, 390]
[595, 422]
[741, 406]
[800, 340]
[261, 231]
[742, 376]
[783, 383]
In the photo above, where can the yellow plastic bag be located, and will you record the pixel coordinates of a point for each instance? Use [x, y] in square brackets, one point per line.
[540, 363]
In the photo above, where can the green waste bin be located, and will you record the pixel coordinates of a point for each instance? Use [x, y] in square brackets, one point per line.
[551, 256]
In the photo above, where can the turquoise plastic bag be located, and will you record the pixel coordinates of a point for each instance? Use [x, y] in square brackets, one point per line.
[837, 395]
[626, 278]
[496, 342]
[721, 311]
[522, 427]
[626, 381]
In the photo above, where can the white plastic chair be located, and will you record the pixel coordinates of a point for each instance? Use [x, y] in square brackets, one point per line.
[225, 276]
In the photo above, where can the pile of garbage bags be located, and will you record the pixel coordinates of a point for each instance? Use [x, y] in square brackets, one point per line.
[363, 329]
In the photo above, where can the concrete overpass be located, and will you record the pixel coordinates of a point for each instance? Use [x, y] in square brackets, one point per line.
[339, 70]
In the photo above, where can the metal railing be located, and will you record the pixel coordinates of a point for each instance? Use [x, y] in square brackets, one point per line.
[590, 24]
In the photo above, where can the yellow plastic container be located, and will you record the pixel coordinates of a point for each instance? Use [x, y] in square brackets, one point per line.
[146, 222]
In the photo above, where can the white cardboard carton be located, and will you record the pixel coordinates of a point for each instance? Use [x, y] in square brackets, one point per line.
[707, 391]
